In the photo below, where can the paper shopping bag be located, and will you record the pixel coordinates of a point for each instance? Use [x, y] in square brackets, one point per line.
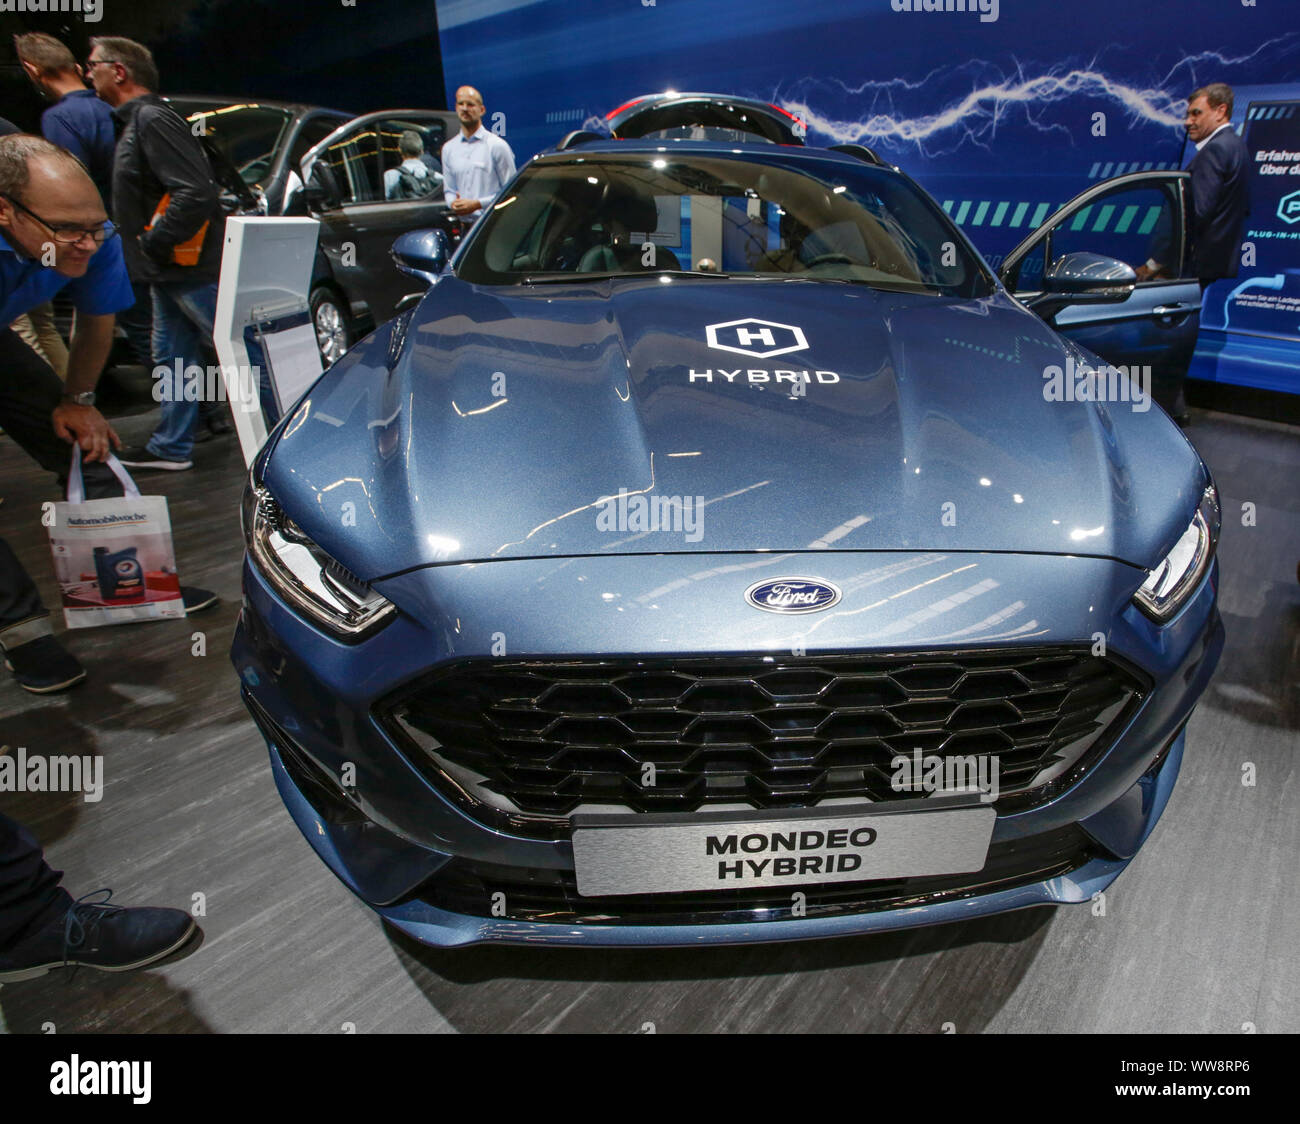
[113, 558]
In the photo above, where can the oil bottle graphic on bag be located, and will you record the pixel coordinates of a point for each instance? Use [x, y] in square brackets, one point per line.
[121, 577]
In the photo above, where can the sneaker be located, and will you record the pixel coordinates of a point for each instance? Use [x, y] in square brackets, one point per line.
[137, 456]
[196, 600]
[44, 666]
[107, 937]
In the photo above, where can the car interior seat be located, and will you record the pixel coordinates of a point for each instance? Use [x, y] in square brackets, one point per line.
[622, 212]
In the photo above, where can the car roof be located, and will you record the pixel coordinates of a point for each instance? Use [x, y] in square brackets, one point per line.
[756, 153]
[782, 120]
[196, 103]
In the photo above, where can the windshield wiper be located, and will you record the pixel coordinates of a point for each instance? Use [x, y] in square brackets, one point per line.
[881, 286]
[577, 278]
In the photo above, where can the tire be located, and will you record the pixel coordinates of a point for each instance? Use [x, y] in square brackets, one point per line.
[333, 327]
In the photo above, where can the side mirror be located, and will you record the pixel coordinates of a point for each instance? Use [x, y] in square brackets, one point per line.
[1083, 273]
[422, 254]
[1083, 278]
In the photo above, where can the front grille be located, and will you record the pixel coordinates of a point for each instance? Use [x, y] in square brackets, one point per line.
[471, 888]
[520, 743]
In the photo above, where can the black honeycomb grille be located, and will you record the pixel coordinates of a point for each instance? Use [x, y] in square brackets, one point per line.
[541, 738]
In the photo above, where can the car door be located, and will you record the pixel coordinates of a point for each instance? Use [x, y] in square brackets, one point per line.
[312, 128]
[1134, 219]
[360, 222]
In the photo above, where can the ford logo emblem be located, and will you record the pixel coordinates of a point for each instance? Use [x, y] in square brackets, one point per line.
[792, 595]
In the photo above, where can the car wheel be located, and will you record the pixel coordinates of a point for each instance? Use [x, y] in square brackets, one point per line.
[333, 330]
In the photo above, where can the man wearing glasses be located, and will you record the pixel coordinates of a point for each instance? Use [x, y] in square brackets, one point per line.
[64, 243]
[55, 236]
[167, 204]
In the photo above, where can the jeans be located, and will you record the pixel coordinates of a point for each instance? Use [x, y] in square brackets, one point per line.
[137, 323]
[182, 332]
[30, 894]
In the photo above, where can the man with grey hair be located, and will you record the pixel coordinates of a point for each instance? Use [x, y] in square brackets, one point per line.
[411, 179]
[167, 204]
[54, 236]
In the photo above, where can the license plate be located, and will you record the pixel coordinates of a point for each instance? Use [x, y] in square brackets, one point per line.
[667, 854]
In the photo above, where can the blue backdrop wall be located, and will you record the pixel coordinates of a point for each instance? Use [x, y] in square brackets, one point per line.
[987, 109]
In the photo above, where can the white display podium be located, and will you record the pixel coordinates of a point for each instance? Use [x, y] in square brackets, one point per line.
[263, 332]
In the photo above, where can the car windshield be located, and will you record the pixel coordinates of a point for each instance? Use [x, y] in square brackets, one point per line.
[606, 215]
[249, 135]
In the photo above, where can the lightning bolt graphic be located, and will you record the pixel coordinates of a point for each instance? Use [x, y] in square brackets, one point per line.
[973, 117]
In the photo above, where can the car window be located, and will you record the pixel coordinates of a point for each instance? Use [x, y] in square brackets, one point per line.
[313, 131]
[597, 215]
[249, 135]
[409, 150]
[1132, 224]
[353, 161]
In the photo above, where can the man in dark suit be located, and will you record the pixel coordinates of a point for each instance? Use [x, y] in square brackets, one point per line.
[1220, 202]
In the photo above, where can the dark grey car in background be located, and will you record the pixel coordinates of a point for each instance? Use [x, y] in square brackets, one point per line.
[356, 284]
[309, 160]
[264, 140]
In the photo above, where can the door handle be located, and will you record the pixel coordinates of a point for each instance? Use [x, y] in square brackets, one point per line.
[1173, 309]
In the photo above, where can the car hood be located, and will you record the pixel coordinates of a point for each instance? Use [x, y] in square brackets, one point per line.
[534, 421]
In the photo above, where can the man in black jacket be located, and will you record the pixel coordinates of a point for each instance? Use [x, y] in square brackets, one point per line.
[166, 204]
[1220, 202]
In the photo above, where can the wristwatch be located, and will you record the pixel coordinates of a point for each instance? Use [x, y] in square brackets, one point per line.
[85, 398]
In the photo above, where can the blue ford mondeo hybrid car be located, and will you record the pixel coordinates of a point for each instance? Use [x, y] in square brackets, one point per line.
[719, 552]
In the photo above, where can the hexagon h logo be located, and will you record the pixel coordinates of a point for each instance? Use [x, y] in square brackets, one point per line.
[1288, 207]
[759, 338]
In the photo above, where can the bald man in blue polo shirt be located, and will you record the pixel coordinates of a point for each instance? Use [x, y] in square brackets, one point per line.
[55, 236]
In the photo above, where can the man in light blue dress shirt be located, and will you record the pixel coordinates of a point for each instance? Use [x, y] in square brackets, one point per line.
[476, 163]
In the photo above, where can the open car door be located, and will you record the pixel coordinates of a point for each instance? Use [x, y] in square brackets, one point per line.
[1132, 219]
[366, 192]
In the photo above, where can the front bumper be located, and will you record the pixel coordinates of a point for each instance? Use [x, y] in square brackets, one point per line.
[389, 836]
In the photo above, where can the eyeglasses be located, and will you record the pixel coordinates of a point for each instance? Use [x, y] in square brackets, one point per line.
[92, 63]
[69, 235]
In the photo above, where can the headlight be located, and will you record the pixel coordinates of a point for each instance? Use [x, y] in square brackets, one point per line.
[1170, 583]
[304, 575]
